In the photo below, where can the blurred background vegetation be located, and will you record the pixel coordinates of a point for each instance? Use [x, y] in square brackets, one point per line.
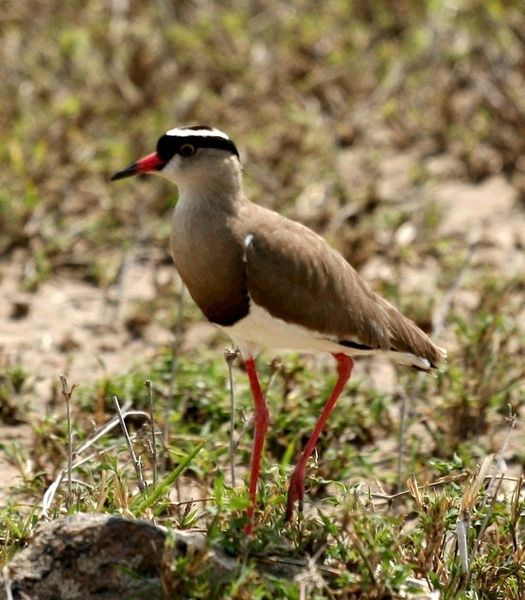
[86, 87]
[395, 128]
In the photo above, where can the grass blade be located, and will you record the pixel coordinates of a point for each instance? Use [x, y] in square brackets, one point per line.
[141, 503]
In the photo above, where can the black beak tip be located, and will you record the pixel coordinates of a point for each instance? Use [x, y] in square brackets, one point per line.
[128, 172]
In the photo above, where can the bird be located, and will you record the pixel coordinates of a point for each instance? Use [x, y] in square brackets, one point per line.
[271, 283]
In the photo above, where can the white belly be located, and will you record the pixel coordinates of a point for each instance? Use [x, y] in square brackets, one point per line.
[259, 330]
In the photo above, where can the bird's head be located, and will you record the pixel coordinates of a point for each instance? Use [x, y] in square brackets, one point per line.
[187, 155]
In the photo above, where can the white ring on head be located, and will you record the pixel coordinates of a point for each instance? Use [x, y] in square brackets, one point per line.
[185, 132]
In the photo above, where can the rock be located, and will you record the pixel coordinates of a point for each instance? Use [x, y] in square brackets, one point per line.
[101, 557]
[88, 556]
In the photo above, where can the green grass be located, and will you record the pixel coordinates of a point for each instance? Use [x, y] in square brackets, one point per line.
[363, 541]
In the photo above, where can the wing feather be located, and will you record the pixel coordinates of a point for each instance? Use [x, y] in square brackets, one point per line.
[296, 276]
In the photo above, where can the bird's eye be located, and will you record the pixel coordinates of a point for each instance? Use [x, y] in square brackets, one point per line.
[187, 150]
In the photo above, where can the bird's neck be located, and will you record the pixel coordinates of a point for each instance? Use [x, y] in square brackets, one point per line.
[220, 188]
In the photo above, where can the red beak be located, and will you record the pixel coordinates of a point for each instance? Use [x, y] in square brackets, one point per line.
[151, 162]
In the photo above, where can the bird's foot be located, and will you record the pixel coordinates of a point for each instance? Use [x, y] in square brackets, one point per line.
[295, 490]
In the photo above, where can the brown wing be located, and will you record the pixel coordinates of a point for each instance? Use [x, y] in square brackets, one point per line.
[296, 276]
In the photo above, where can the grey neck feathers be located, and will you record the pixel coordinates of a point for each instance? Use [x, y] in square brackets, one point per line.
[220, 185]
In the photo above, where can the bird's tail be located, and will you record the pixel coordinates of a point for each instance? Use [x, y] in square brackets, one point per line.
[409, 344]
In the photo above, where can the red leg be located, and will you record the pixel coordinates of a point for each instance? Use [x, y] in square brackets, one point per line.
[296, 489]
[260, 421]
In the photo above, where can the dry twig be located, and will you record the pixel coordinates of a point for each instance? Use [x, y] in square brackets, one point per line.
[230, 355]
[49, 494]
[134, 459]
[66, 393]
[153, 443]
